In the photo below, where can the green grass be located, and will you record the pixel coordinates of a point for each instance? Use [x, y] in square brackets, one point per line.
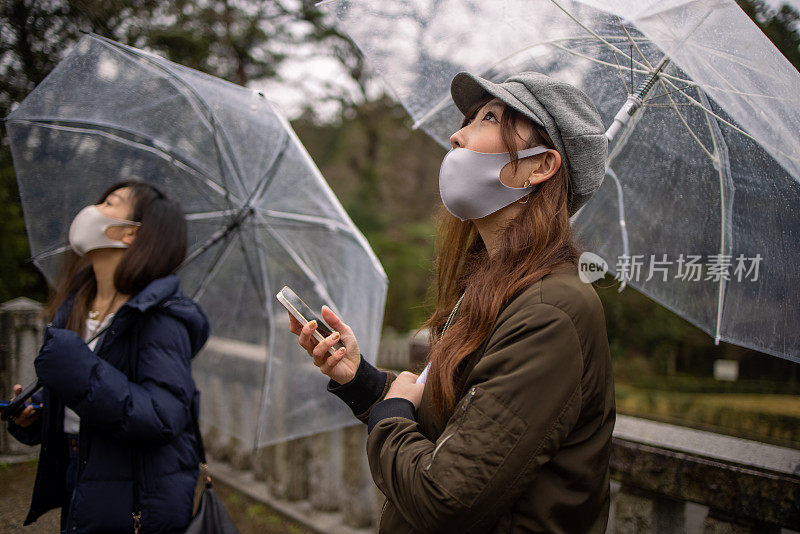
[773, 418]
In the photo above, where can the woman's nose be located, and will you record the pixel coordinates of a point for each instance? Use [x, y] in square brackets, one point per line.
[457, 139]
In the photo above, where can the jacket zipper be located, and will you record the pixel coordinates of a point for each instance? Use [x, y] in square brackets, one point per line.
[78, 471]
[450, 435]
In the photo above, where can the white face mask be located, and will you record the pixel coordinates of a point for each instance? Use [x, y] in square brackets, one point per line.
[88, 231]
[470, 186]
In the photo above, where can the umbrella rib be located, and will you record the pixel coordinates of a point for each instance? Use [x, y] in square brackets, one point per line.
[211, 119]
[732, 88]
[321, 221]
[674, 106]
[219, 235]
[596, 35]
[594, 59]
[309, 219]
[50, 252]
[699, 23]
[318, 285]
[269, 173]
[633, 45]
[262, 291]
[739, 59]
[205, 215]
[680, 89]
[727, 191]
[608, 64]
[621, 76]
[697, 104]
[259, 245]
[214, 268]
[95, 128]
[270, 325]
[446, 99]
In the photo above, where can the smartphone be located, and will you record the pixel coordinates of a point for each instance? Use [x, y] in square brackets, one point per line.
[35, 406]
[14, 407]
[304, 314]
[423, 376]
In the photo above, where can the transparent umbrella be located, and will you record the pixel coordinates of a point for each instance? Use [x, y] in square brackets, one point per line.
[699, 208]
[260, 216]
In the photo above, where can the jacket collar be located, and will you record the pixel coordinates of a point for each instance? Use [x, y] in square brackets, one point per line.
[154, 293]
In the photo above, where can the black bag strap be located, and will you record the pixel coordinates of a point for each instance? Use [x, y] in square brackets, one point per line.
[200, 447]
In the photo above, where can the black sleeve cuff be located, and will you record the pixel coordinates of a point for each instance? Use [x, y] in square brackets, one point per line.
[363, 390]
[394, 407]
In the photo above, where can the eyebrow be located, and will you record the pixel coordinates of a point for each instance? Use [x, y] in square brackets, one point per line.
[114, 194]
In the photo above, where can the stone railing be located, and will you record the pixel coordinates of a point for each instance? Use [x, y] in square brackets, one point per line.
[21, 328]
[673, 479]
[666, 478]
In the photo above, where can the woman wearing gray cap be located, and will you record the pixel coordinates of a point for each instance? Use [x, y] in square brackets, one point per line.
[509, 428]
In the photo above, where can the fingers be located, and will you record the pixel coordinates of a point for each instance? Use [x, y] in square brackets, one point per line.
[333, 320]
[294, 325]
[321, 351]
[17, 389]
[26, 417]
[332, 361]
[306, 338]
[407, 376]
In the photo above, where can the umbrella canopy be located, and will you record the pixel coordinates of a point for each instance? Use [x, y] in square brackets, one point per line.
[699, 208]
[260, 216]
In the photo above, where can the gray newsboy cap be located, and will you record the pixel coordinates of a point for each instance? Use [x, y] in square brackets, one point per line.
[564, 111]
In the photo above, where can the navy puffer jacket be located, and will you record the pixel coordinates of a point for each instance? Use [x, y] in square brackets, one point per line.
[148, 419]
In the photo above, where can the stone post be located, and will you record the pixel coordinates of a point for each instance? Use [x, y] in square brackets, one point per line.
[21, 328]
[284, 466]
[325, 470]
[358, 495]
[633, 513]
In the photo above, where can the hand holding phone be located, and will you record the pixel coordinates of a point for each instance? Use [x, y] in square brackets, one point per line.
[16, 409]
[336, 358]
[303, 314]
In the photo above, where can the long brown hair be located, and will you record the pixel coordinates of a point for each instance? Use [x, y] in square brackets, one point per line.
[538, 239]
[158, 250]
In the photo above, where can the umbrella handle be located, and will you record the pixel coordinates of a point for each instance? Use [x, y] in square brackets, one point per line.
[634, 102]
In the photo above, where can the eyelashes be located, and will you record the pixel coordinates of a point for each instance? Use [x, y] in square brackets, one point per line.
[486, 116]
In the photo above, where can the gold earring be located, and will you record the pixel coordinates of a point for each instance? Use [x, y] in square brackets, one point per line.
[528, 196]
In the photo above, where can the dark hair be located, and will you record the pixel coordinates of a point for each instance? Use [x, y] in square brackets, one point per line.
[534, 242]
[158, 250]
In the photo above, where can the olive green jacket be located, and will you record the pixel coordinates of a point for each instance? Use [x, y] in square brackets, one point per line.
[527, 447]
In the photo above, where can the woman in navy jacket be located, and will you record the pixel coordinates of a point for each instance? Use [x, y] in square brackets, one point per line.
[118, 450]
